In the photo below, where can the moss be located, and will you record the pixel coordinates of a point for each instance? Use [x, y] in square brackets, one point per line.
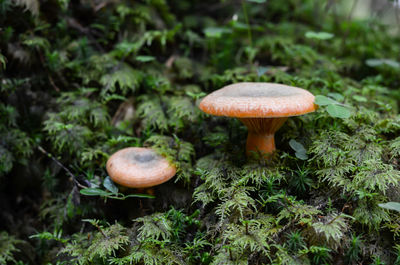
[81, 80]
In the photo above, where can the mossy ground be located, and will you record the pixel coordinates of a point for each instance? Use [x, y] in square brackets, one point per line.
[83, 79]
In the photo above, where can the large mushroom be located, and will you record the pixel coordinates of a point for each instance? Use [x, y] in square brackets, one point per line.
[137, 167]
[262, 107]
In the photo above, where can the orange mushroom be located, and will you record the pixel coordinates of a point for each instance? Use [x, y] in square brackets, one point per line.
[262, 107]
[137, 167]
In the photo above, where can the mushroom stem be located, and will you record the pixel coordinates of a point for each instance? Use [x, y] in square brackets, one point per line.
[260, 143]
[261, 133]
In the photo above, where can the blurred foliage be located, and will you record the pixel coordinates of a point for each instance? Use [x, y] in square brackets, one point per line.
[82, 79]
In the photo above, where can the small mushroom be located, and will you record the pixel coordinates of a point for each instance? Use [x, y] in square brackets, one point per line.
[262, 107]
[137, 167]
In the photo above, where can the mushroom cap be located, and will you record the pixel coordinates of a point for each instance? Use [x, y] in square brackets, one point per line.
[138, 167]
[257, 100]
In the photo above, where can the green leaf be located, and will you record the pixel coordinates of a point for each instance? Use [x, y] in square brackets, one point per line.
[392, 63]
[145, 58]
[109, 185]
[257, 1]
[319, 35]
[374, 62]
[301, 156]
[390, 206]
[380, 62]
[3, 61]
[196, 95]
[301, 152]
[296, 146]
[336, 96]
[215, 32]
[110, 97]
[323, 101]
[138, 195]
[337, 111]
[360, 98]
[94, 192]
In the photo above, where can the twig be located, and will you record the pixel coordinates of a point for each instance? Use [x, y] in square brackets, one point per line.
[353, 8]
[41, 149]
[56, 88]
[397, 16]
[73, 23]
[246, 17]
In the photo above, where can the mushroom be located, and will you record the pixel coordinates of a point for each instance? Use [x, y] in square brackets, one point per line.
[262, 107]
[137, 167]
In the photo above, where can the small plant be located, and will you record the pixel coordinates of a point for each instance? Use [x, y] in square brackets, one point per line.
[8, 247]
[354, 250]
[300, 180]
[295, 241]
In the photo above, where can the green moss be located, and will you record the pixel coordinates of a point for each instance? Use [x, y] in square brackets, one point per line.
[81, 80]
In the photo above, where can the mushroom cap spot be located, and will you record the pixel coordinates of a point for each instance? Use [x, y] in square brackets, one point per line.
[256, 100]
[138, 167]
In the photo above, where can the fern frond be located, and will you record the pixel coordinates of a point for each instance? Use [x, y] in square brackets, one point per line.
[258, 175]
[98, 116]
[6, 160]
[236, 199]
[105, 243]
[203, 194]
[215, 179]
[164, 145]
[177, 151]
[394, 147]
[227, 256]
[285, 258]
[90, 154]
[299, 212]
[250, 236]
[102, 245]
[336, 175]
[31, 5]
[184, 67]
[7, 247]
[82, 110]
[122, 139]
[152, 113]
[161, 36]
[327, 148]
[185, 150]
[3, 61]
[155, 226]
[375, 175]
[183, 108]
[217, 138]
[8, 115]
[151, 252]
[14, 146]
[36, 42]
[127, 79]
[368, 213]
[284, 50]
[328, 231]
[67, 137]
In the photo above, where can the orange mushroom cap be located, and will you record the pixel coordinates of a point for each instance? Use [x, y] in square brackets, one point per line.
[138, 167]
[258, 100]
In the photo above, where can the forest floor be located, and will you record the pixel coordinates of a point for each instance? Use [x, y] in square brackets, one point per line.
[80, 80]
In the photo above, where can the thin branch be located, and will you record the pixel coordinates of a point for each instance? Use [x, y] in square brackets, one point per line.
[353, 8]
[41, 149]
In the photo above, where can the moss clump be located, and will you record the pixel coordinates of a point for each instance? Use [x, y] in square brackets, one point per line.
[82, 79]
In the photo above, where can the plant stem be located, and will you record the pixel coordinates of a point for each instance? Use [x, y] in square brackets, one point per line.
[246, 17]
